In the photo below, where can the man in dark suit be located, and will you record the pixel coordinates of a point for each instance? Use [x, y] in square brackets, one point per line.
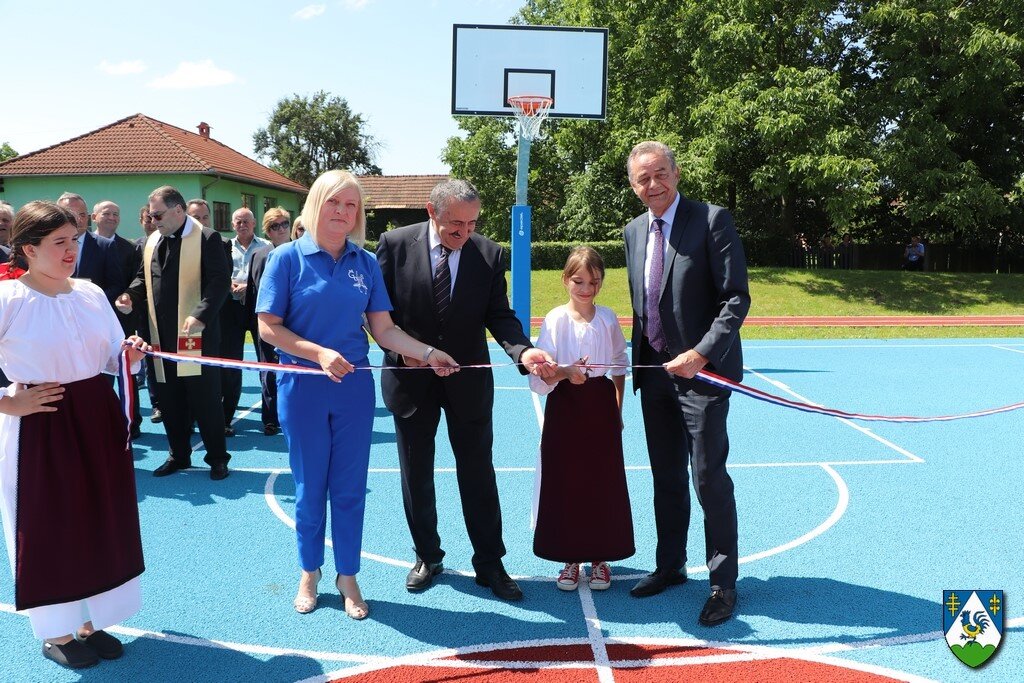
[447, 286]
[688, 284]
[185, 257]
[106, 216]
[97, 260]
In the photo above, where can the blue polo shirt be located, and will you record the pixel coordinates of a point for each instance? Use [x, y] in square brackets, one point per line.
[321, 299]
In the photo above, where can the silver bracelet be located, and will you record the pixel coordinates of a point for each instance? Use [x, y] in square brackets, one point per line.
[426, 354]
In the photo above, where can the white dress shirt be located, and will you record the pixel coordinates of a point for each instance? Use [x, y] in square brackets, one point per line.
[666, 230]
[435, 254]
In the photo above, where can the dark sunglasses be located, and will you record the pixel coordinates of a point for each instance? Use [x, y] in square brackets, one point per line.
[283, 225]
[157, 215]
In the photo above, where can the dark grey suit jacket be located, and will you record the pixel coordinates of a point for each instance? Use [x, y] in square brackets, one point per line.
[100, 264]
[704, 291]
[479, 304]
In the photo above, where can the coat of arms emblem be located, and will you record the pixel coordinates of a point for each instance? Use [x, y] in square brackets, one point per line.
[973, 623]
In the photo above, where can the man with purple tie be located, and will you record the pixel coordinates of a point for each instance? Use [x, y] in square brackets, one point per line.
[688, 286]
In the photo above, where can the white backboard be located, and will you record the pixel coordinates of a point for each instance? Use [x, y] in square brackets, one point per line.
[492, 63]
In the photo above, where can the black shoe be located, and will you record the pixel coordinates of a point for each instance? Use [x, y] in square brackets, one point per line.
[156, 417]
[229, 430]
[719, 607]
[103, 644]
[135, 433]
[422, 575]
[271, 429]
[500, 583]
[219, 471]
[657, 581]
[72, 654]
[170, 466]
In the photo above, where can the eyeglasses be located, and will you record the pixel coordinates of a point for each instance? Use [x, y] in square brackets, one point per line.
[283, 225]
[157, 215]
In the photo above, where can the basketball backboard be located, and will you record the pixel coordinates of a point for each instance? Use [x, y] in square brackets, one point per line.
[491, 63]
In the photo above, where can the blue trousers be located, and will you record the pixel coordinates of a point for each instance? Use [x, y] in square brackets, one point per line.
[328, 426]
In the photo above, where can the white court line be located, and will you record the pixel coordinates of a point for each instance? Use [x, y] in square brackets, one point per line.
[848, 423]
[1006, 348]
[200, 446]
[595, 634]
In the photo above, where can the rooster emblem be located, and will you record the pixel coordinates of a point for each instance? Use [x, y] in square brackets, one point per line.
[357, 281]
[972, 628]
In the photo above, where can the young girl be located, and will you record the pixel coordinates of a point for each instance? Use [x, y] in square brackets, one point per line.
[583, 512]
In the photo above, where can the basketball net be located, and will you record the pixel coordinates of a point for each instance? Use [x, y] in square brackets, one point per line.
[530, 111]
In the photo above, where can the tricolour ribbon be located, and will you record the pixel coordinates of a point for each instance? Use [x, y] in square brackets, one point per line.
[703, 375]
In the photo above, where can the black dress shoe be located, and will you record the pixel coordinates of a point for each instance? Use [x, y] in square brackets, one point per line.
[719, 607]
[156, 417]
[271, 429]
[170, 466]
[229, 430]
[219, 471]
[72, 654]
[103, 644]
[422, 575]
[500, 583]
[657, 581]
[135, 432]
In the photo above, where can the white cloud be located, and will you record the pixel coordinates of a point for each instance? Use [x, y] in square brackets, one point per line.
[134, 66]
[194, 75]
[355, 5]
[310, 11]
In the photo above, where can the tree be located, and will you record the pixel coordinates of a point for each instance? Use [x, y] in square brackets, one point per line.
[7, 152]
[308, 136]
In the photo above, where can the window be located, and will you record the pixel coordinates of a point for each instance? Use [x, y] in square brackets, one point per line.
[249, 201]
[221, 216]
[269, 203]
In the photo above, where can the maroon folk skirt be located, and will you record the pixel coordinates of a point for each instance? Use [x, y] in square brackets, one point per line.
[77, 529]
[583, 513]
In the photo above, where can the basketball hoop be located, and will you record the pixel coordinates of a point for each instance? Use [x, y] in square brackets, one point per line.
[530, 112]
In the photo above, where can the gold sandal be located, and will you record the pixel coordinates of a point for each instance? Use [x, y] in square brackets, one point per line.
[356, 610]
[304, 604]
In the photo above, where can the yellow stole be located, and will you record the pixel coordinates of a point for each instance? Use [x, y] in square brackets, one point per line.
[189, 291]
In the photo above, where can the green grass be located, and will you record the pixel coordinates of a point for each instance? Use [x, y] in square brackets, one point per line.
[784, 291]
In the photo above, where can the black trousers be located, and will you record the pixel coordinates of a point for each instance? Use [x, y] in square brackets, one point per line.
[471, 444]
[686, 426]
[268, 381]
[232, 345]
[181, 399]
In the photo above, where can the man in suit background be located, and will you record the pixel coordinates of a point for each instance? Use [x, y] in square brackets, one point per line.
[447, 286]
[688, 284]
[6, 221]
[184, 391]
[97, 260]
[106, 216]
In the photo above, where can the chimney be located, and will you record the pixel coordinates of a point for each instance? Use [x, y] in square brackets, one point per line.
[204, 129]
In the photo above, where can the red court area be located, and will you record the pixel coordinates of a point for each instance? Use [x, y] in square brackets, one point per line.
[631, 664]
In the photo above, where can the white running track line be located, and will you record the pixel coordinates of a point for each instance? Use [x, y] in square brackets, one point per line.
[862, 430]
[595, 634]
[888, 347]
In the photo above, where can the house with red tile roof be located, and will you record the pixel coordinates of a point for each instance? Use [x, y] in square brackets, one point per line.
[396, 200]
[126, 160]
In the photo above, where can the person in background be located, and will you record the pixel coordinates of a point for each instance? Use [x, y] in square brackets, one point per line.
[276, 226]
[913, 255]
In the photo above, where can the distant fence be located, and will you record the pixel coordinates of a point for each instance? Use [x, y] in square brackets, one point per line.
[937, 258]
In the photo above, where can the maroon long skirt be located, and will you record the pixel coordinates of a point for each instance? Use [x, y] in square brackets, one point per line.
[584, 513]
[77, 532]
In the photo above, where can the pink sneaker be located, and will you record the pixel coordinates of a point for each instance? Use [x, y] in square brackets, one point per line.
[600, 576]
[569, 577]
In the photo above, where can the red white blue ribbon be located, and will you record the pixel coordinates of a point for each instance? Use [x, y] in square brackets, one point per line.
[127, 391]
[704, 376]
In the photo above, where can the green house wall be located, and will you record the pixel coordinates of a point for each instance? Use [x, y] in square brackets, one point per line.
[130, 192]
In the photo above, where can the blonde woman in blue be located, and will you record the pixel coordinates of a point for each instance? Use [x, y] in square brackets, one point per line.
[314, 294]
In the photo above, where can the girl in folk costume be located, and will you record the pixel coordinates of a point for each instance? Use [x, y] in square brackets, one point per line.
[583, 511]
[67, 482]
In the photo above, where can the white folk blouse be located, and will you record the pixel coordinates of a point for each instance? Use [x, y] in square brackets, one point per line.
[568, 341]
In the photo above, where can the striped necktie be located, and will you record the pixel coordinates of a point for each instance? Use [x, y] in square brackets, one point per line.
[443, 283]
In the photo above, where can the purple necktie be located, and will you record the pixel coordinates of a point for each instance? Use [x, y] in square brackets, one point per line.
[655, 332]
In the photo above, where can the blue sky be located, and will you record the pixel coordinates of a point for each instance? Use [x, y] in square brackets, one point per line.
[72, 67]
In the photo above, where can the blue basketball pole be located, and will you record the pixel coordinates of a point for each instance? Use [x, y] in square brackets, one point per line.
[521, 238]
